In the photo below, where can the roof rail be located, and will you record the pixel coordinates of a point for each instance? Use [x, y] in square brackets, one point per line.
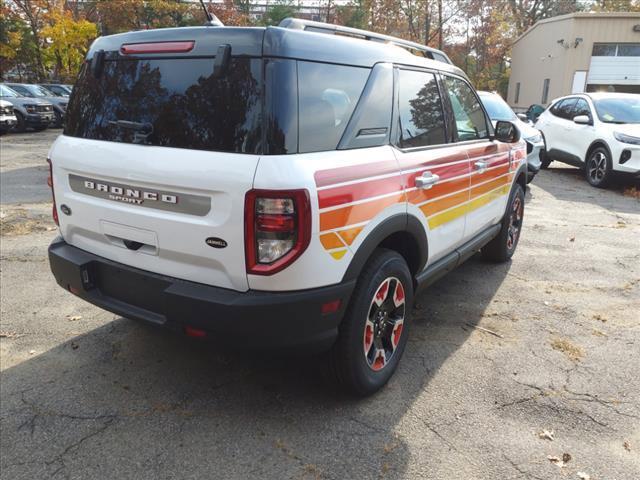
[329, 28]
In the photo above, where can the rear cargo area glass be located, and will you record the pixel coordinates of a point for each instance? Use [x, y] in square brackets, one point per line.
[170, 102]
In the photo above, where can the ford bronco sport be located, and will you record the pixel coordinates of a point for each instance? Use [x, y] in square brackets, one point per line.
[278, 187]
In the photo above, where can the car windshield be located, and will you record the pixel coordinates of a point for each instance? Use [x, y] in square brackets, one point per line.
[618, 110]
[22, 90]
[497, 108]
[7, 92]
[58, 90]
[38, 91]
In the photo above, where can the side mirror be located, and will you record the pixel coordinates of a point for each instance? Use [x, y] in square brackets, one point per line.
[507, 132]
[523, 117]
[582, 120]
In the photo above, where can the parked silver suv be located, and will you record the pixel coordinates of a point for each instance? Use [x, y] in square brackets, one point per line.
[36, 91]
[30, 112]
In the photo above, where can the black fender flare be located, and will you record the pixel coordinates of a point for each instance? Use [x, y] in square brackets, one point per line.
[401, 222]
[598, 141]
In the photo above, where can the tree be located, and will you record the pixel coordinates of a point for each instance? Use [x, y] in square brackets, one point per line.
[68, 41]
[278, 11]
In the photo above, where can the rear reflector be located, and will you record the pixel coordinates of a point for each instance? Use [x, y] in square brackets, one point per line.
[157, 47]
[194, 332]
[330, 307]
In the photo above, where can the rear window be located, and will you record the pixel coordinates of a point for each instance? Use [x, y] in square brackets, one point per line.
[171, 103]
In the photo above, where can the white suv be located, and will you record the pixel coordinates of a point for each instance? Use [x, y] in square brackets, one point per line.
[278, 187]
[599, 132]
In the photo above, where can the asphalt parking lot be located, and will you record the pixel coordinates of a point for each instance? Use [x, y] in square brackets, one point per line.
[508, 368]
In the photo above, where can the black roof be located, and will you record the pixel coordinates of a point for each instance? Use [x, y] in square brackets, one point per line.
[276, 42]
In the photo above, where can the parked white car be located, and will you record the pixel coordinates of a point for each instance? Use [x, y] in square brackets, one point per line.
[599, 132]
[498, 110]
[7, 117]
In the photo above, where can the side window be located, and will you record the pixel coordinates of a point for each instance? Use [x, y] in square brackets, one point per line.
[421, 121]
[581, 108]
[471, 121]
[565, 109]
[327, 95]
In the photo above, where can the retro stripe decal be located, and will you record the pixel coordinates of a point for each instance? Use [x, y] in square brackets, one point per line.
[348, 200]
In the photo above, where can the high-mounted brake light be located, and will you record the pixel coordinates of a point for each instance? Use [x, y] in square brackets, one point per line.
[157, 47]
[54, 211]
[277, 229]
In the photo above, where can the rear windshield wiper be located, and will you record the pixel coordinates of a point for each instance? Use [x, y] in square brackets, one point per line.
[136, 126]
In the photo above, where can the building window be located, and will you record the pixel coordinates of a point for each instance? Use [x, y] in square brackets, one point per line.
[517, 93]
[545, 90]
[616, 50]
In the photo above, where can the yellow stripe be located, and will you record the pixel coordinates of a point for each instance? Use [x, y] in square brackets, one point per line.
[449, 215]
[338, 254]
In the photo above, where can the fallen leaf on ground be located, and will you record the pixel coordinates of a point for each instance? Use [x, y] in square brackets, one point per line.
[597, 316]
[627, 446]
[73, 318]
[566, 458]
[599, 333]
[546, 435]
[560, 462]
[9, 335]
[572, 351]
[32, 352]
[572, 239]
[584, 476]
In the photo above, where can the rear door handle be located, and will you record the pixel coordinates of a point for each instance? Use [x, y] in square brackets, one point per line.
[427, 180]
[481, 166]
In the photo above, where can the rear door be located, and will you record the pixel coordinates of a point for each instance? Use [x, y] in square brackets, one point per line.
[488, 159]
[579, 136]
[435, 172]
[157, 156]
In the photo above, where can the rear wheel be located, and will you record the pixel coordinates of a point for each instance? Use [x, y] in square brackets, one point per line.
[373, 334]
[502, 248]
[598, 168]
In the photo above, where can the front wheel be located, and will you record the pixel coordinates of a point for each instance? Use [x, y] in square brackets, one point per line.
[373, 333]
[545, 160]
[21, 125]
[502, 248]
[598, 168]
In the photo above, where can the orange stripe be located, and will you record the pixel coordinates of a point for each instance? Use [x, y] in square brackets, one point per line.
[356, 213]
[490, 174]
[331, 240]
[419, 196]
[477, 191]
[448, 202]
[350, 234]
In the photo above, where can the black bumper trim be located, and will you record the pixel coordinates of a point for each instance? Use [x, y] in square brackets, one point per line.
[253, 319]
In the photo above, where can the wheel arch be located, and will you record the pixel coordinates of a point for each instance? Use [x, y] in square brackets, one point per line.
[402, 233]
[595, 144]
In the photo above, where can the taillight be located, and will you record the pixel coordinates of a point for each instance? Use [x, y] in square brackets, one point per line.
[54, 211]
[157, 47]
[277, 229]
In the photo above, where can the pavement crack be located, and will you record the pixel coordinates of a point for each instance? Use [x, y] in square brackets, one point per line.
[520, 470]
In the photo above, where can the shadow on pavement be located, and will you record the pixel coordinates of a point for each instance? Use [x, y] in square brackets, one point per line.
[128, 400]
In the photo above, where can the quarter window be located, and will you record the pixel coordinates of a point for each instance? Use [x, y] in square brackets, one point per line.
[421, 121]
[471, 122]
[564, 108]
[328, 95]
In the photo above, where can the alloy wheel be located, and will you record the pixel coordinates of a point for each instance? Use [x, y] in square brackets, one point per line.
[515, 222]
[384, 323]
[597, 167]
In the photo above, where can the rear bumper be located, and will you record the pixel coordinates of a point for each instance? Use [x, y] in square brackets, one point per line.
[256, 320]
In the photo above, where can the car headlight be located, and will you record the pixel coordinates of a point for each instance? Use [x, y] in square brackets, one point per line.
[624, 138]
[535, 139]
[31, 108]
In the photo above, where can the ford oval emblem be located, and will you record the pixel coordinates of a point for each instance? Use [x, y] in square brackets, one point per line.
[216, 242]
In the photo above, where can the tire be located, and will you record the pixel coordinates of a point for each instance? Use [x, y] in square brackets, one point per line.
[21, 125]
[503, 246]
[598, 167]
[545, 161]
[58, 120]
[373, 334]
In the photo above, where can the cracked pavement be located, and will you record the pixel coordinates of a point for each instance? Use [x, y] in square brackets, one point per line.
[86, 394]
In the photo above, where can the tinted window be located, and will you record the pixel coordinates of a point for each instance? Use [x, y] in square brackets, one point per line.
[22, 90]
[581, 108]
[281, 106]
[421, 121]
[327, 95]
[7, 92]
[471, 122]
[177, 103]
[564, 108]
